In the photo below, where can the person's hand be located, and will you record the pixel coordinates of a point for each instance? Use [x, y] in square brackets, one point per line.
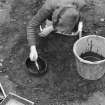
[80, 28]
[44, 32]
[33, 53]
[75, 33]
[79, 31]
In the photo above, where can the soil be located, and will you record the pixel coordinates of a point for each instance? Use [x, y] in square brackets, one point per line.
[91, 56]
[62, 85]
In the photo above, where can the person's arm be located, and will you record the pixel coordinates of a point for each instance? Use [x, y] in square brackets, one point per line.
[37, 20]
[34, 25]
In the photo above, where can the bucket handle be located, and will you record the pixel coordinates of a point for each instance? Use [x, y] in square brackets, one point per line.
[80, 27]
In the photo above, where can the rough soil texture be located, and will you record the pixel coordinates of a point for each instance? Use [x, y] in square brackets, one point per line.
[62, 85]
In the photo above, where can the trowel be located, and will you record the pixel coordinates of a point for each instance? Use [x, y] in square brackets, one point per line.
[37, 65]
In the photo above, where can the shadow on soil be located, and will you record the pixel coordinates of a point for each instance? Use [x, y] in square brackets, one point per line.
[61, 83]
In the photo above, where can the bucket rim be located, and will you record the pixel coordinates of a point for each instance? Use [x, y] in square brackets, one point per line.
[82, 60]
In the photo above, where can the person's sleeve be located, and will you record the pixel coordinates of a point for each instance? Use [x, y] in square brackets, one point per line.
[37, 20]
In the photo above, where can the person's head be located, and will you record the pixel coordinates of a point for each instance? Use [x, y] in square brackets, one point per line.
[66, 19]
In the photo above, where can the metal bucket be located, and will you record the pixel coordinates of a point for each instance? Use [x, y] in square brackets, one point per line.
[89, 53]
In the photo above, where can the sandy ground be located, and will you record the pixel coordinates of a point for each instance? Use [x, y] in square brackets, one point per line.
[62, 85]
